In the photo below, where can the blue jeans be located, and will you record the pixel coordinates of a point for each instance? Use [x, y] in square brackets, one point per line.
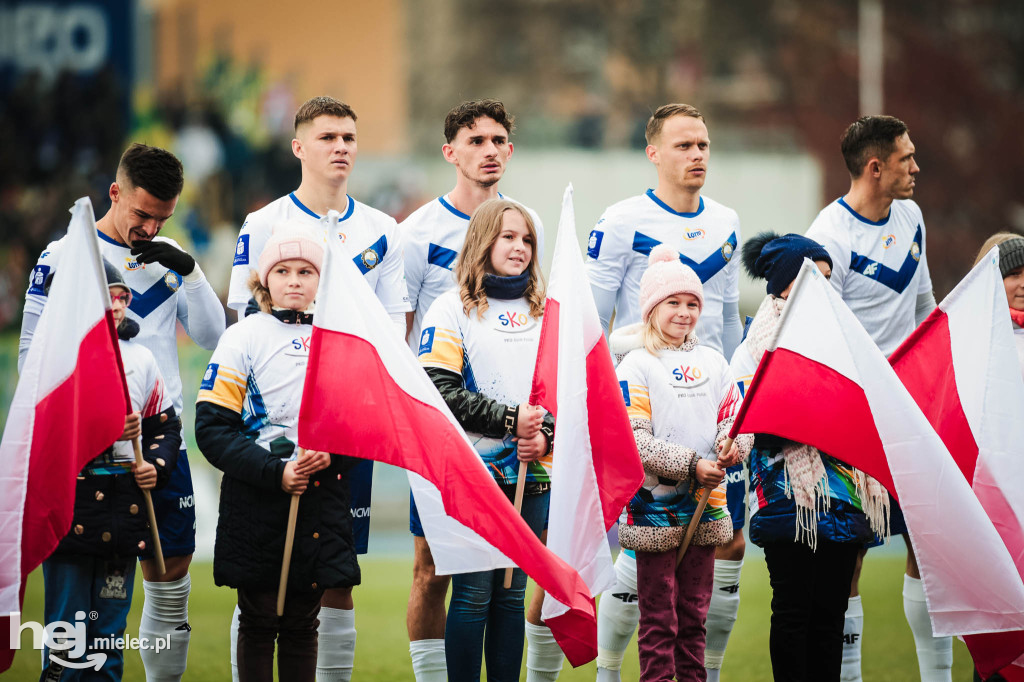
[95, 587]
[484, 617]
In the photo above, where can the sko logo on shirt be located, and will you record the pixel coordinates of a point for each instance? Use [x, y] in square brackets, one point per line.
[688, 376]
[513, 322]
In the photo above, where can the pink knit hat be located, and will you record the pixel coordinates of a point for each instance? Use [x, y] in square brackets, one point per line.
[667, 276]
[291, 240]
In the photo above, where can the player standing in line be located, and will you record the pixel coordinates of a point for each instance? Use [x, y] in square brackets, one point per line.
[706, 234]
[478, 144]
[325, 144]
[876, 237]
[167, 286]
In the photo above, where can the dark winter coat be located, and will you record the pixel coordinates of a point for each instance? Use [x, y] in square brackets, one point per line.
[254, 513]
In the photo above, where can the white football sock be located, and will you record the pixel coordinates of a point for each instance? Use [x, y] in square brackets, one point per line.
[725, 603]
[714, 674]
[234, 644]
[543, 655]
[934, 654]
[617, 618]
[853, 632]
[428, 661]
[336, 649]
[165, 616]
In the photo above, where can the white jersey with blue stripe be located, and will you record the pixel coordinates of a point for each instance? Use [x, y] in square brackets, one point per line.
[707, 239]
[432, 236]
[160, 298]
[878, 267]
[368, 236]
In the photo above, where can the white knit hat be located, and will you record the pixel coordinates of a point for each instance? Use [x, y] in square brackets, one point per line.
[667, 276]
[291, 240]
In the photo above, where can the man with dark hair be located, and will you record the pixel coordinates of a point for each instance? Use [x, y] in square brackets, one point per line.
[167, 286]
[876, 238]
[706, 234]
[478, 144]
[325, 145]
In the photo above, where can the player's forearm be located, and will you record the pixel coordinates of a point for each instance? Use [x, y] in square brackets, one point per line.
[29, 320]
[732, 330]
[205, 312]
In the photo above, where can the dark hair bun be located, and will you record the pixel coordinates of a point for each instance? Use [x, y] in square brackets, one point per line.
[752, 250]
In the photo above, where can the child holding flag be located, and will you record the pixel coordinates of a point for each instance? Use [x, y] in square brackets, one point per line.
[93, 568]
[479, 345]
[246, 425]
[807, 508]
[681, 401]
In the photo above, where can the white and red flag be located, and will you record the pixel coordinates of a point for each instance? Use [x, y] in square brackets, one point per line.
[68, 407]
[824, 382]
[596, 465]
[961, 367]
[367, 396]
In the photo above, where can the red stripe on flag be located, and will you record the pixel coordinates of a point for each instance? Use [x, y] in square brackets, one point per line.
[545, 373]
[794, 397]
[350, 401]
[72, 426]
[924, 363]
[617, 464]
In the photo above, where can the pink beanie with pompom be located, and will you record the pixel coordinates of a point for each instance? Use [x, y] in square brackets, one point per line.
[667, 276]
[291, 240]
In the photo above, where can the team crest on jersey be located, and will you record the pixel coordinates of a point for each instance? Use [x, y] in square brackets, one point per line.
[512, 322]
[691, 235]
[37, 280]
[370, 258]
[888, 241]
[688, 376]
[727, 250]
[915, 251]
[594, 243]
[172, 280]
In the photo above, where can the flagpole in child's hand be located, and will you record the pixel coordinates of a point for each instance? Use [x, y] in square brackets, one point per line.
[702, 502]
[520, 490]
[158, 552]
[529, 418]
[289, 541]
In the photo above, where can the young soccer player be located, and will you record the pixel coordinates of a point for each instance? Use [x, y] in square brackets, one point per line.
[479, 345]
[246, 425]
[681, 401]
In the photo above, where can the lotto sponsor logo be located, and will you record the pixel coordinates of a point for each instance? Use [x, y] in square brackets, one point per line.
[210, 377]
[888, 241]
[691, 235]
[242, 250]
[132, 264]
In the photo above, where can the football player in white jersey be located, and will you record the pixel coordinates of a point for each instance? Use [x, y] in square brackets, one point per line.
[706, 234]
[478, 144]
[326, 147]
[167, 287]
[876, 237]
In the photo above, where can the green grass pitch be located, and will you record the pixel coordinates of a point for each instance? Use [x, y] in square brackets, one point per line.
[382, 649]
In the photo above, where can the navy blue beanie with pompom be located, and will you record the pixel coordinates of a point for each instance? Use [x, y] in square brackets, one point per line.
[777, 258]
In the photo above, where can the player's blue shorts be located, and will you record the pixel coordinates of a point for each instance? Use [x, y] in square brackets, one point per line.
[175, 507]
[736, 494]
[360, 479]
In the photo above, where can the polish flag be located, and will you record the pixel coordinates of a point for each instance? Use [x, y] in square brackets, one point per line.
[596, 465]
[960, 366]
[367, 396]
[68, 407]
[823, 382]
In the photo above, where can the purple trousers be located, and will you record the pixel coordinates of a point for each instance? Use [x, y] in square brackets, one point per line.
[673, 607]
